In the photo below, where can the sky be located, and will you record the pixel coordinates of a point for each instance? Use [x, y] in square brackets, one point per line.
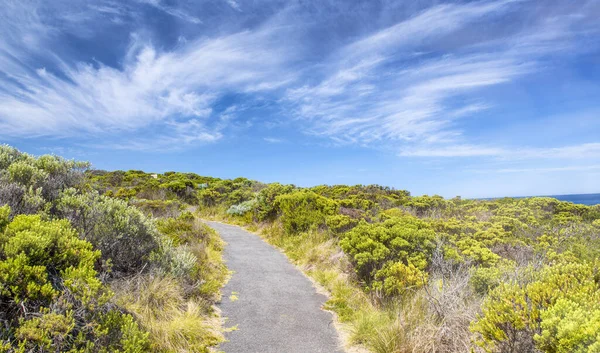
[470, 98]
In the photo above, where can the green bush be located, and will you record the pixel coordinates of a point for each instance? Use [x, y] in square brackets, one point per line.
[266, 209]
[546, 313]
[397, 247]
[339, 224]
[50, 296]
[31, 185]
[121, 232]
[4, 217]
[303, 210]
[484, 279]
[571, 326]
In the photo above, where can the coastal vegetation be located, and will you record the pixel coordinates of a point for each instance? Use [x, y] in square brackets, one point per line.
[119, 261]
[427, 274]
[83, 271]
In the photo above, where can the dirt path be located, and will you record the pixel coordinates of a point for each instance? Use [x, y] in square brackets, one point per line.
[276, 309]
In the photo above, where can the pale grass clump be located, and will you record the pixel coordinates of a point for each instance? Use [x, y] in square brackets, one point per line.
[434, 319]
[453, 306]
[210, 266]
[405, 327]
[176, 324]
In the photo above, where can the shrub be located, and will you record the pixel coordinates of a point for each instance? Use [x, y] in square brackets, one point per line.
[377, 250]
[4, 217]
[158, 208]
[544, 313]
[180, 230]
[50, 296]
[485, 279]
[26, 173]
[571, 325]
[397, 278]
[339, 224]
[209, 197]
[242, 208]
[12, 194]
[191, 252]
[8, 155]
[30, 185]
[303, 210]
[121, 232]
[266, 208]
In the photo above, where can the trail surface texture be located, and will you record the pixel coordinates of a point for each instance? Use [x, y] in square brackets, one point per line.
[275, 307]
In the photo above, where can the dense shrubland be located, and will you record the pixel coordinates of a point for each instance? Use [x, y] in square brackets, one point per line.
[427, 274]
[120, 259]
[82, 269]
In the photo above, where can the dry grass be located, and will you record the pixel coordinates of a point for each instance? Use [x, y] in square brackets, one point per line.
[176, 324]
[177, 308]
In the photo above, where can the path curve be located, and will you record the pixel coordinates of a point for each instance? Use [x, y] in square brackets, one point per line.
[275, 307]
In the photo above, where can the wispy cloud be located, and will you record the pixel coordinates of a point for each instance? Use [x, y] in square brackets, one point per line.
[173, 11]
[580, 151]
[380, 94]
[177, 88]
[576, 168]
[175, 136]
[273, 140]
[453, 151]
[407, 86]
[234, 4]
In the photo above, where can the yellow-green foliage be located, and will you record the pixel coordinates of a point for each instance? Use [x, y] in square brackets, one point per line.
[392, 255]
[180, 230]
[50, 296]
[304, 209]
[424, 203]
[339, 224]
[266, 210]
[4, 214]
[132, 184]
[30, 185]
[484, 279]
[557, 311]
[411, 276]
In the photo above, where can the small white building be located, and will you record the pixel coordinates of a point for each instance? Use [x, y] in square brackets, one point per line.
[155, 176]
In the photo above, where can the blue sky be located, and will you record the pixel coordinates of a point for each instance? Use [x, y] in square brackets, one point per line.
[470, 98]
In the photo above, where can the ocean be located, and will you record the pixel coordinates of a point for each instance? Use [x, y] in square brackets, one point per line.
[584, 199]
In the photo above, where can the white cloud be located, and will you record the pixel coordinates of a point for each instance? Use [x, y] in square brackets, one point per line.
[576, 168]
[234, 4]
[373, 91]
[153, 86]
[580, 151]
[176, 12]
[377, 93]
[175, 136]
[432, 23]
[453, 151]
[273, 140]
